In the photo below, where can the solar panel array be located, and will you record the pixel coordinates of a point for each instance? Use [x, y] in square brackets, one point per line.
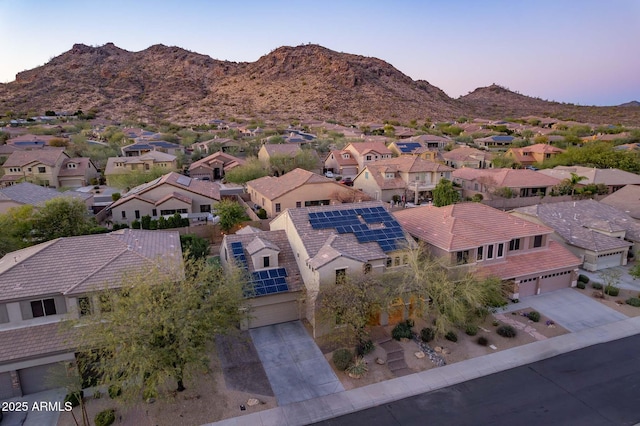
[407, 147]
[264, 282]
[348, 222]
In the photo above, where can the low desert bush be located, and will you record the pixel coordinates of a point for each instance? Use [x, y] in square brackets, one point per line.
[583, 278]
[534, 316]
[471, 330]
[105, 417]
[611, 290]
[506, 331]
[581, 285]
[427, 334]
[342, 358]
[596, 285]
[633, 301]
[451, 336]
[364, 347]
[483, 341]
[403, 330]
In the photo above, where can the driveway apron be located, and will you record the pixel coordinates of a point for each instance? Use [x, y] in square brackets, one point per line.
[294, 364]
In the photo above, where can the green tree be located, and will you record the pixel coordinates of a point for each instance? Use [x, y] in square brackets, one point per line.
[158, 327]
[444, 193]
[306, 159]
[61, 217]
[136, 177]
[230, 212]
[15, 226]
[251, 170]
[194, 247]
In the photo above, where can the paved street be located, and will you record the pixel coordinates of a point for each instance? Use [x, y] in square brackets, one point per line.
[597, 385]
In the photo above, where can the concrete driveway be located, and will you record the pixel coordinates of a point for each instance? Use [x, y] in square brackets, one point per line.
[294, 364]
[570, 309]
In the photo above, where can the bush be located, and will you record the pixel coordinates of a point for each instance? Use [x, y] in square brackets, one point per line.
[633, 301]
[583, 278]
[402, 330]
[105, 418]
[534, 316]
[483, 341]
[451, 336]
[358, 368]
[74, 398]
[581, 285]
[262, 213]
[471, 330]
[427, 334]
[611, 290]
[506, 331]
[114, 391]
[364, 347]
[342, 358]
[596, 285]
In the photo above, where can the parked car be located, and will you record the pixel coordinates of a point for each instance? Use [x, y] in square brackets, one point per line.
[347, 181]
[328, 174]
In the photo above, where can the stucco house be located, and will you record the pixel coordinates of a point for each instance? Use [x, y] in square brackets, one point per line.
[470, 236]
[144, 146]
[298, 188]
[409, 177]
[626, 199]
[77, 172]
[142, 163]
[214, 166]
[166, 195]
[368, 152]
[495, 141]
[419, 149]
[466, 156]
[599, 234]
[267, 151]
[503, 183]
[613, 179]
[341, 163]
[275, 282]
[42, 285]
[332, 242]
[26, 193]
[533, 154]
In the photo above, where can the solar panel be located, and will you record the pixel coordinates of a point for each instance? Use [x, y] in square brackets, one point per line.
[183, 180]
[273, 283]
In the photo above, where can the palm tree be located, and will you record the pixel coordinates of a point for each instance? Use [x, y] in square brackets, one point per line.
[574, 180]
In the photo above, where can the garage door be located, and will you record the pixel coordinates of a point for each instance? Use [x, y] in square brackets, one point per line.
[42, 377]
[274, 314]
[555, 281]
[5, 386]
[528, 287]
[609, 260]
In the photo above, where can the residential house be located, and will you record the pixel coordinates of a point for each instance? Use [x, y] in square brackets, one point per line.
[414, 148]
[143, 163]
[471, 236]
[432, 141]
[298, 188]
[30, 141]
[466, 156]
[408, 178]
[626, 199]
[368, 152]
[341, 163]
[27, 193]
[226, 145]
[599, 234]
[44, 284]
[495, 141]
[77, 172]
[142, 147]
[613, 179]
[167, 195]
[268, 151]
[503, 183]
[214, 166]
[533, 154]
[40, 166]
[274, 278]
[333, 242]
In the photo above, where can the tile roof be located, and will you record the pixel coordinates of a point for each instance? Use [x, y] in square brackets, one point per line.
[75, 265]
[533, 262]
[609, 177]
[227, 161]
[366, 147]
[337, 155]
[82, 164]
[626, 199]
[582, 223]
[277, 240]
[281, 149]
[465, 226]
[154, 156]
[48, 157]
[378, 174]
[465, 153]
[29, 193]
[273, 187]
[510, 178]
[412, 164]
[34, 341]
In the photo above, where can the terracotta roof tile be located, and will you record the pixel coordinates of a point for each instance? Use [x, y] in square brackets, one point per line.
[273, 187]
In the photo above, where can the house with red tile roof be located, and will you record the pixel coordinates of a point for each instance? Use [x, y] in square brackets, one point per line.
[466, 156]
[472, 235]
[533, 154]
[342, 163]
[214, 166]
[142, 163]
[42, 285]
[165, 196]
[503, 183]
[613, 179]
[368, 152]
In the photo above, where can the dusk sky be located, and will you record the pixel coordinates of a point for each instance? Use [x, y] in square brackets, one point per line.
[582, 51]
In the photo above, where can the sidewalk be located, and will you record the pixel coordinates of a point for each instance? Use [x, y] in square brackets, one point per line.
[338, 404]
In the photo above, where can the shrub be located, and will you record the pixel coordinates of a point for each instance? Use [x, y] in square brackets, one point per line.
[114, 391]
[342, 358]
[358, 368]
[534, 316]
[506, 331]
[105, 417]
[427, 334]
[451, 336]
[262, 214]
[471, 330]
[633, 301]
[596, 285]
[402, 330]
[581, 285]
[611, 290]
[483, 341]
[583, 278]
[364, 347]
[74, 398]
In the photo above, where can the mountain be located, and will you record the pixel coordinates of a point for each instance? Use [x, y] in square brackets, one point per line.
[630, 104]
[308, 81]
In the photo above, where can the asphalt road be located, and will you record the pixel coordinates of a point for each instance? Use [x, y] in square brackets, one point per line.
[598, 385]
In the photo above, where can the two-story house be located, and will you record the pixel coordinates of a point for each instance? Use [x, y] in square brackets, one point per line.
[362, 153]
[44, 284]
[47, 167]
[466, 156]
[77, 172]
[341, 163]
[143, 163]
[214, 166]
[143, 146]
[409, 177]
[471, 235]
[533, 154]
[299, 188]
[169, 194]
[332, 242]
[419, 149]
[495, 141]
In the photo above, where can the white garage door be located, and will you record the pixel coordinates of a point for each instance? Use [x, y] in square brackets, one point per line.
[274, 314]
[42, 377]
[609, 260]
[5, 386]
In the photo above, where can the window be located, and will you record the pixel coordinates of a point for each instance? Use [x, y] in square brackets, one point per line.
[298, 204]
[537, 241]
[124, 214]
[71, 166]
[105, 303]
[42, 308]
[366, 268]
[368, 158]
[4, 315]
[205, 208]
[42, 169]
[462, 257]
[480, 253]
[84, 306]
[366, 175]
[500, 250]
[265, 261]
[137, 214]
[154, 212]
[514, 244]
[490, 252]
[389, 262]
[341, 275]
[396, 261]
[405, 259]
[278, 208]
[146, 166]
